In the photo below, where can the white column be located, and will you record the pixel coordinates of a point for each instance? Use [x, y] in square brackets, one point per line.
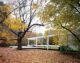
[47, 42]
[36, 42]
[28, 42]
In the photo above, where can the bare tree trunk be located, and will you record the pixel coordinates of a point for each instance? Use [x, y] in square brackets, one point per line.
[19, 44]
[19, 41]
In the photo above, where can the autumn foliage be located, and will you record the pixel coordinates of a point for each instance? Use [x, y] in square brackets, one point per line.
[11, 22]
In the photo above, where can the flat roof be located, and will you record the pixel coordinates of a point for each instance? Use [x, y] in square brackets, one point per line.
[40, 37]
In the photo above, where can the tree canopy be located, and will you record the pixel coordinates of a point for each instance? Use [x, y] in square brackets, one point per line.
[60, 12]
[63, 15]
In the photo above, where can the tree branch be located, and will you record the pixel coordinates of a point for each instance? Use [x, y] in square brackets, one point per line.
[29, 28]
[36, 25]
[71, 33]
[9, 29]
[74, 8]
[30, 13]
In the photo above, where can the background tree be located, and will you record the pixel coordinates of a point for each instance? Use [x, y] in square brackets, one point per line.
[62, 15]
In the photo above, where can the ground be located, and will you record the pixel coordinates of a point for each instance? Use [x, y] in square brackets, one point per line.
[9, 55]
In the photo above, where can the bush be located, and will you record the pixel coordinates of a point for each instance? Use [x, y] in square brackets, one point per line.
[4, 45]
[65, 48]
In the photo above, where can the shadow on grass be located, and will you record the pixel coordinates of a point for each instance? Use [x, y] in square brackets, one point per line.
[74, 54]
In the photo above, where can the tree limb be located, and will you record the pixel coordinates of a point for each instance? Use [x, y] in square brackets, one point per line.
[36, 25]
[9, 29]
[29, 28]
[74, 8]
[30, 13]
[71, 33]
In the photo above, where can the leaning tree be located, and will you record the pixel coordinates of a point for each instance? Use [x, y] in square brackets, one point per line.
[63, 14]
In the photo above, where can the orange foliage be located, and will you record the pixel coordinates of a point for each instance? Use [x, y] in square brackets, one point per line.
[5, 8]
[12, 23]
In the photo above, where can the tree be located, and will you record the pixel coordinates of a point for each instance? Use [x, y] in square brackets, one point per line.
[10, 23]
[24, 10]
[64, 14]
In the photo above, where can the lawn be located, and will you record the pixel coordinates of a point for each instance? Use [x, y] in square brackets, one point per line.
[10, 55]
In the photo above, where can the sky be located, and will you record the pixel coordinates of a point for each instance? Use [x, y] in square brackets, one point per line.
[2, 0]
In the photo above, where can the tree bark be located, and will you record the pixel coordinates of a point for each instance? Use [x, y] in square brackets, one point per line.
[19, 44]
[19, 41]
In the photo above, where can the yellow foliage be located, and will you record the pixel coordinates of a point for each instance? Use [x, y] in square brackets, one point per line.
[60, 37]
[46, 13]
[7, 36]
[11, 22]
[4, 11]
[15, 24]
[55, 39]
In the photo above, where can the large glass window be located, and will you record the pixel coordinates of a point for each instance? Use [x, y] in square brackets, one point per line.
[32, 42]
[42, 41]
